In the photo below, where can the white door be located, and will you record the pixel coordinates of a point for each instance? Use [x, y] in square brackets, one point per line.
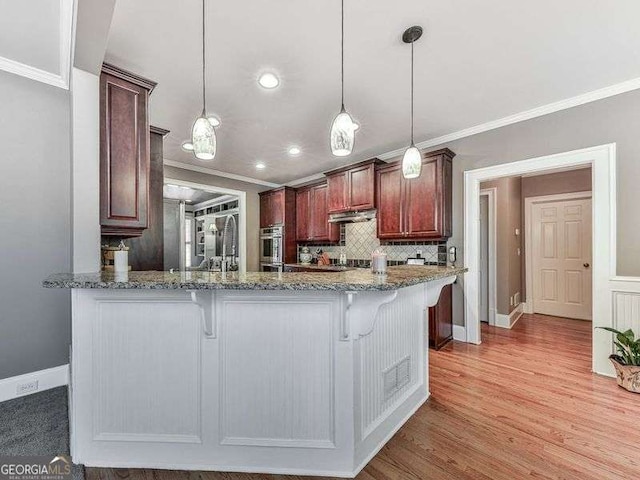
[561, 258]
[484, 258]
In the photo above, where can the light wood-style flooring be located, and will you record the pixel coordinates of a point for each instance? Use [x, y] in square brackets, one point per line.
[524, 404]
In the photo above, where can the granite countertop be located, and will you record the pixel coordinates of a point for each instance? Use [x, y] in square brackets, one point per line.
[321, 268]
[355, 279]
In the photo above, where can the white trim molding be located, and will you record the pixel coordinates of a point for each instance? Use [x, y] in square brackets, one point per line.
[603, 162]
[219, 173]
[565, 104]
[65, 32]
[528, 242]
[508, 321]
[45, 380]
[459, 333]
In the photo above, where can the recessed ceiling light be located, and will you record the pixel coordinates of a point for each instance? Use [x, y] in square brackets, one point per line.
[215, 121]
[188, 146]
[268, 80]
[260, 166]
[294, 150]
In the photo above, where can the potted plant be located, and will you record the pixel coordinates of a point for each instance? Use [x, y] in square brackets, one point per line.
[627, 361]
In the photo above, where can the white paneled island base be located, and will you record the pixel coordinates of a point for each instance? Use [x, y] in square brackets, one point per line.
[273, 381]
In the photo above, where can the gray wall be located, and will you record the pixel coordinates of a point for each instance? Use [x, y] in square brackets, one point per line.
[35, 224]
[253, 205]
[508, 219]
[615, 119]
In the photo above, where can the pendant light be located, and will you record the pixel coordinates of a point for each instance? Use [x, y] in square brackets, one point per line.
[203, 135]
[412, 160]
[343, 129]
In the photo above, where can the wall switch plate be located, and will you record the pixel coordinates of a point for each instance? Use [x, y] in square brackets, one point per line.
[28, 387]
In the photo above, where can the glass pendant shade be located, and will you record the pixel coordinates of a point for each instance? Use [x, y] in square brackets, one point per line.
[411, 163]
[343, 135]
[203, 137]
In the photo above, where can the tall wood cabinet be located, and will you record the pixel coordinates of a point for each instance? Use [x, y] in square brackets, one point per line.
[124, 152]
[312, 215]
[418, 208]
[278, 207]
[352, 188]
[146, 252]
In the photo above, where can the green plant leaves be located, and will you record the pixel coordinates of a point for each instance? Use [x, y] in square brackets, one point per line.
[627, 345]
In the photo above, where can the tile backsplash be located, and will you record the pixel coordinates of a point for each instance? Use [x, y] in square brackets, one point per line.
[359, 240]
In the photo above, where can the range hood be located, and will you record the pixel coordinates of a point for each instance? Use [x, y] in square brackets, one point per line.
[353, 217]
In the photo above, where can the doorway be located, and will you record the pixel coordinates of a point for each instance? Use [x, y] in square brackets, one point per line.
[488, 245]
[602, 161]
[558, 255]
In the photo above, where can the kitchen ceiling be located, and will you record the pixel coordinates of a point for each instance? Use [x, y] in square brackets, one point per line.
[476, 62]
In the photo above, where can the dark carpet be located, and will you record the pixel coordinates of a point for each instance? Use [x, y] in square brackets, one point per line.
[37, 424]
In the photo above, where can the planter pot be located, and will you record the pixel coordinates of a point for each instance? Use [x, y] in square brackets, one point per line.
[628, 375]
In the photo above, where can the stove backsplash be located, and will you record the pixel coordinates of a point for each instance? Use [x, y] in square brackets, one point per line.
[359, 240]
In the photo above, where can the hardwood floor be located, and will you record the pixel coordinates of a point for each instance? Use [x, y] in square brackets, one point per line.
[524, 404]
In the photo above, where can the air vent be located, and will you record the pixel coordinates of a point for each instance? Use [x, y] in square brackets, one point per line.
[396, 377]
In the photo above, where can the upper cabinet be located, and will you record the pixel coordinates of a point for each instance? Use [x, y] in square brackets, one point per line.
[124, 152]
[419, 208]
[313, 217]
[277, 207]
[352, 188]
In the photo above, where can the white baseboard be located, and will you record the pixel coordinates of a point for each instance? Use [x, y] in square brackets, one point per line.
[46, 379]
[459, 333]
[527, 307]
[508, 321]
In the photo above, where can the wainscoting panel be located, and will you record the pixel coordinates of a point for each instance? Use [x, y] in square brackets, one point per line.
[277, 370]
[146, 371]
[626, 311]
[394, 343]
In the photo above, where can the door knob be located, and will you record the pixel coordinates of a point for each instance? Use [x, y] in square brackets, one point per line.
[585, 265]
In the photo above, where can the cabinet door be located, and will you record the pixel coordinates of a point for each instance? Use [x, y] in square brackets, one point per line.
[337, 197]
[390, 186]
[265, 210]
[277, 207]
[124, 157]
[302, 215]
[423, 202]
[321, 229]
[441, 319]
[360, 193]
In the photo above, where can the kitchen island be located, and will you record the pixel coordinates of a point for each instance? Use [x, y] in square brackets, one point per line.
[292, 373]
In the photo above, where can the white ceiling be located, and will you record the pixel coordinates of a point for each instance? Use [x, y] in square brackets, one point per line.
[478, 61]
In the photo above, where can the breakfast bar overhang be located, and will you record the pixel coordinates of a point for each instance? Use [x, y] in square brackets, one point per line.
[290, 373]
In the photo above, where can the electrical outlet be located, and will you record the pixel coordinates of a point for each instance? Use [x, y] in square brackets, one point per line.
[29, 387]
[419, 253]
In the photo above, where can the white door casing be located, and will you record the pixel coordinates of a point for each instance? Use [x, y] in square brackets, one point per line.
[484, 258]
[559, 260]
[488, 254]
[602, 159]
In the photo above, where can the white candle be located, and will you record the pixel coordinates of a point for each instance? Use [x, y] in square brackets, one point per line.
[120, 261]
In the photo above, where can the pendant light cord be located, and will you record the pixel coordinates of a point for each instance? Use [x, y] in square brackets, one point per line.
[342, 56]
[412, 93]
[204, 95]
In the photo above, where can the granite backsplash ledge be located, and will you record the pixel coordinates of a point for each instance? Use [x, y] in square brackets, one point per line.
[359, 240]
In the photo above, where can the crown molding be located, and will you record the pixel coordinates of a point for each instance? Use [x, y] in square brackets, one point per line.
[218, 173]
[65, 30]
[305, 180]
[571, 102]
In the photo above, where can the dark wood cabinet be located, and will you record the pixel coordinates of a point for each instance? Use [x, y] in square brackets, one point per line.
[418, 208]
[278, 207]
[146, 252]
[272, 208]
[313, 216]
[124, 152]
[352, 188]
[441, 319]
